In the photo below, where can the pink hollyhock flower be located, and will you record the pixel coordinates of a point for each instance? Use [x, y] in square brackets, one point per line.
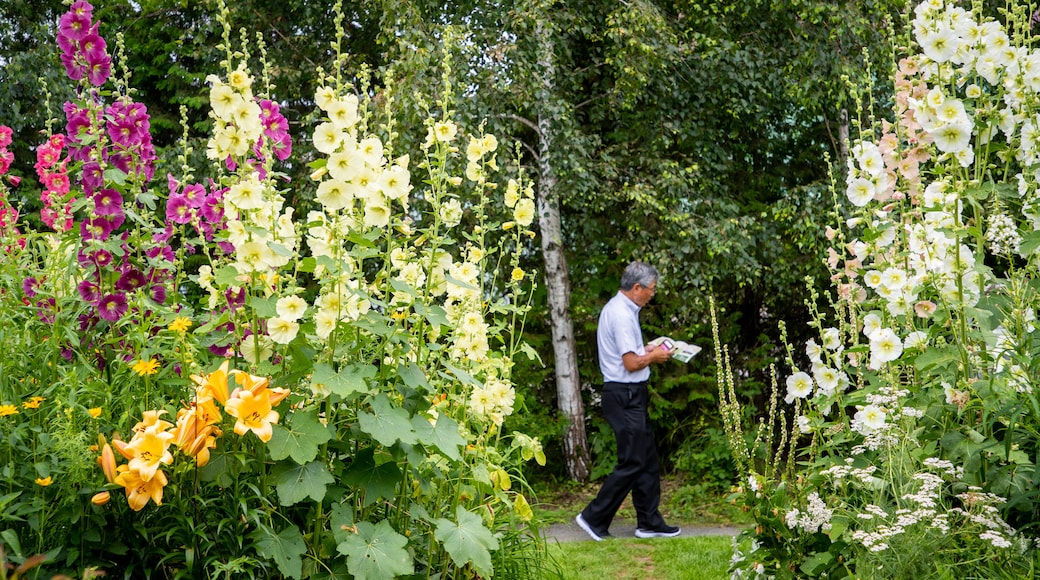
[112, 307]
[178, 210]
[5, 135]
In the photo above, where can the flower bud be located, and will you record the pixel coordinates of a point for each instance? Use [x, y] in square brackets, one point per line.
[101, 498]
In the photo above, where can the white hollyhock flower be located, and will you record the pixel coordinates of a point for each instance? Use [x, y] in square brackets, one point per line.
[869, 419]
[282, 331]
[871, 324]
[885, 346]
[939, 43]
[827, 379]
[291, 308]
[952, 137]
[799, 386]
[860, 191]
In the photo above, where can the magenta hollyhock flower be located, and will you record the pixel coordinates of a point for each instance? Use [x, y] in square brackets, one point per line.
[93, 47]
[112, 307]
[45, 310]
[100, 258]
[74, 69]
[77, 123]
[98, 228]
[89, 291]
[178, 210]
[195, 194]
[98, 73]
[158, 293]
[123, 132]
[108, 202]
[211, 210]
[29, 286]
[92, 178]
[74, 25]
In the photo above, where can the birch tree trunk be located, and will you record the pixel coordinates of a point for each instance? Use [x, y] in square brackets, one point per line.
[557, 276]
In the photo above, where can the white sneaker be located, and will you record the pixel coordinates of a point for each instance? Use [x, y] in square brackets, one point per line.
[664, 531]
[598, 535]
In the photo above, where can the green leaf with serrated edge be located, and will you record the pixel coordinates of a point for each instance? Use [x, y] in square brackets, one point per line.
[376, 552]
[341, 521]
[377, 481]
[444, 435]
[296, 483]
[467, 540]
[386, 423]
[300, 439]
[285, 548]
[413, 376]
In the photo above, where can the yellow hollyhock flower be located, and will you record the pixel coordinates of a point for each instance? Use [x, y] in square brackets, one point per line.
[180, 324]
[149, 450]
[44, 481]
[517, 274]
[146, 367]
[138, 490]
[253, 412]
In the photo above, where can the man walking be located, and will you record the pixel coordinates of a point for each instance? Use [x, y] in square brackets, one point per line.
[625, 360]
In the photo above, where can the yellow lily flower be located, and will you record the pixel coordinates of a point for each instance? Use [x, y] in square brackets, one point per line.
[138, 490]
[149, 450]
[151, 418]
[199, 448]
[249, 382]
[254, 413]
[213, 385]
[101, 498]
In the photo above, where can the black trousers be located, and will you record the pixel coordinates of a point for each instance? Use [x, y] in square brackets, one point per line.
[638, 469]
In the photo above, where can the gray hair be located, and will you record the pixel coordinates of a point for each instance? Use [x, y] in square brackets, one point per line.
[638, 273]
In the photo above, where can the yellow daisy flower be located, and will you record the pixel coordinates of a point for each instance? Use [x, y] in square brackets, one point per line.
[180, 324]
[6, 410]
[44, 481]
[146, 367]
[95, 412]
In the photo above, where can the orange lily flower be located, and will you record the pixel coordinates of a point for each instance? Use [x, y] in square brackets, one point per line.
[150, 418]
[107, 461]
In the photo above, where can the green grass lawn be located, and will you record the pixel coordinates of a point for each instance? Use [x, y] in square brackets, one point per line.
[689, 558]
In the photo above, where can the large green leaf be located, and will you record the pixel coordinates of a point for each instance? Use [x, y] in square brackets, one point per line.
[346, 381]
[296, 483]
[376, 480]
[386, 423]
[444, 435]
[413, 376]
[285, 548]
[376, 552]
[301, 439]
[467, 540]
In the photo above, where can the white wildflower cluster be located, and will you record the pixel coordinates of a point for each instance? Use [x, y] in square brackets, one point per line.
[839, 473]
[815, 518]
[1002, 235]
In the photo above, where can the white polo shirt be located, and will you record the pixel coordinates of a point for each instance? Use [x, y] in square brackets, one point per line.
[619, 333]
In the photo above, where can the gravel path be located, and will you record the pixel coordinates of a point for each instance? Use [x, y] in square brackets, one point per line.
[570, 532]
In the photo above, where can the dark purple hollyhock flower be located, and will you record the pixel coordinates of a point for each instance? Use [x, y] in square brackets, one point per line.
[45, 310]
[131, 279]
[89, 291]
[112, 307]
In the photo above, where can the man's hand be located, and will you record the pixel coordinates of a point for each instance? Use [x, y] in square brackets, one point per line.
[657, 353]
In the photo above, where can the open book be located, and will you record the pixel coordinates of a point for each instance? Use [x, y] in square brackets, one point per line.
[680, 350]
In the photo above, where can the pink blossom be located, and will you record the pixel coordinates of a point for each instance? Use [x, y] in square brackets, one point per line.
[5, 135]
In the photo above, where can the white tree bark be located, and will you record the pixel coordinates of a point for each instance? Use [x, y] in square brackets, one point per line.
[557, 276]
